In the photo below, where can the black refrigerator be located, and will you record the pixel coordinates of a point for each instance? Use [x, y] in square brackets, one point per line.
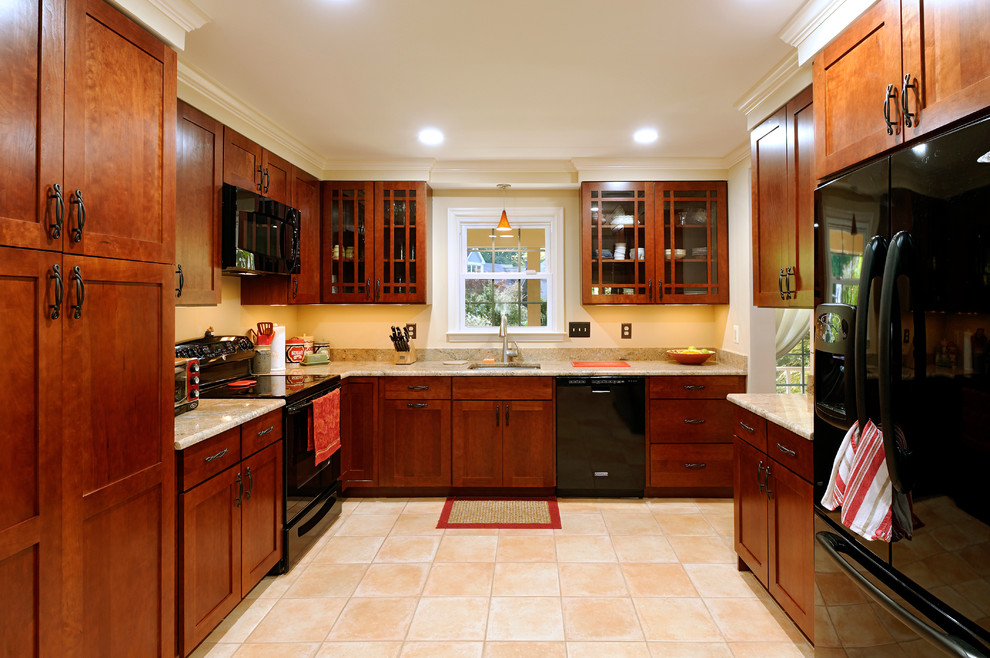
[903, 271]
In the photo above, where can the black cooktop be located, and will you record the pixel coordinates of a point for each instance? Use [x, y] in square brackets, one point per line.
[257, 387]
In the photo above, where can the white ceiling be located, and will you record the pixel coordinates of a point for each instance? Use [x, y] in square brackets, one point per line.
[520, 80]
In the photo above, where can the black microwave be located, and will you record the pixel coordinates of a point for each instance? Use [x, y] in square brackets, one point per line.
[260, 236]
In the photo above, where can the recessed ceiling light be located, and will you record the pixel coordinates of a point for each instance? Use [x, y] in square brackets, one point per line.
[430, 136]
[645, 136]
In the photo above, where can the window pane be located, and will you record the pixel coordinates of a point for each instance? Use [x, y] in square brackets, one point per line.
[524, 302]
[524, 250]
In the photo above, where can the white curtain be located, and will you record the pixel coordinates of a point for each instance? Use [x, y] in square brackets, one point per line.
[793, 324]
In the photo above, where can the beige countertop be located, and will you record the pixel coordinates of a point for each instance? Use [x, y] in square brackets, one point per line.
[793, 412]
[547, 369]
[212, 417]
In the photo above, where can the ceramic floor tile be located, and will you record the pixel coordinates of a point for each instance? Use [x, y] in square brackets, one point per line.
[676, 620]
[610, 649]
[242, 620]
[525, 532]
[392, 506]
[450, 619]
[631, 523]
[747, 620]
[581, 524]
[525, 618]
[643, 549]
[460, 579]
[214, 650]
[359, 650]
[374, 619]
[722, 524]
[467, 548]
[298, 620]
[620, 504]
[683, 524]
[526, 548]
[588, 548]
[366, 525]
[442, 650]
[525, 650]
[349, 550]
[723, 581]
[525, 579]
[326, 580]
[416, 524]
[408, 549]
[591, 579]
[600, 619]
[702, 550]
[474, 531]
[657, 580]
[714, 505]
[280, 650]
[773, 650]
[690, 649]
[577, 505]
[425, 506]
[392, 580]
[673, 505]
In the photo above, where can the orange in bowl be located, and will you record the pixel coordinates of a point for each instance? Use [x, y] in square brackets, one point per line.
[690, 358]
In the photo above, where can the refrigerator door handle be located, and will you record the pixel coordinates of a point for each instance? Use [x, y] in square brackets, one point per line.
[901, 259]
[874, 257]
[833, 544]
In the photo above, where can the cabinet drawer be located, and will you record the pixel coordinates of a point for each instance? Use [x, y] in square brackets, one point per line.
[503, 388]
[260, 432]
[696, 386]
[690, 421]
[749, 427]
[790, 450]
[688, 465]
[417, 388]
[202, 461]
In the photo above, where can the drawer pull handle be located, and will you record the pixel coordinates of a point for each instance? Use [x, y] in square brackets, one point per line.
[760, 481]
[693, 387]
[694, 421]
[786, 451]
[216, 456]
[240, 490]
[266, 431]
[419, 388]
[417, 405]
[746, 427]
[695, 466]
[247, 494]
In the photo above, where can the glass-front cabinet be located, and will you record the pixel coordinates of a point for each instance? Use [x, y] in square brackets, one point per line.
[374, 242]
[654, 242]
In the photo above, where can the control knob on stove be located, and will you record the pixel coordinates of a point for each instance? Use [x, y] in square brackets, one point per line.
[193, 394]
[194, 367]
[194, 380]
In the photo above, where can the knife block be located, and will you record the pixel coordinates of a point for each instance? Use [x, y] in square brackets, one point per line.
[406, 358]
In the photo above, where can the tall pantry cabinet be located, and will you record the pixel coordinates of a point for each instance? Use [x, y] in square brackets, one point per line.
[87, 202]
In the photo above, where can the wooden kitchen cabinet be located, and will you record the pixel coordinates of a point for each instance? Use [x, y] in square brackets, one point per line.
[783, 174]
[359, 430]
[773, 513]
[675, 237]
[199, 178]
[250, 167]
[415, 432]
[901, 70]
[374, 242]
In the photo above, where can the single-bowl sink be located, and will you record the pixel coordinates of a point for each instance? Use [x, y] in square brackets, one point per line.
[514, 365]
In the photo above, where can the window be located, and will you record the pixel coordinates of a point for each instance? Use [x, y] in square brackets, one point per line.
[520, 276]
[792, 367]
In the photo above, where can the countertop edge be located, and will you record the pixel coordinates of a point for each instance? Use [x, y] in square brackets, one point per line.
[794, 413]
[216, 416]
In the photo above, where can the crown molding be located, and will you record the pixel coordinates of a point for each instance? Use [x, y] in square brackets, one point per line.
[171, 20]
[819, 21]
[597, 169]
[741, 153]
[414, 169]
[769, 83]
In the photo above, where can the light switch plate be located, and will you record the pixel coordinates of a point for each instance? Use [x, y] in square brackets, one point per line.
[579, 329]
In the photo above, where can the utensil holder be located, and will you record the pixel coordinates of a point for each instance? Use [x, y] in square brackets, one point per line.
[405, 358]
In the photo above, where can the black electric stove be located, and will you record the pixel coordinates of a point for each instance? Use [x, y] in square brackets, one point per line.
[312, 491]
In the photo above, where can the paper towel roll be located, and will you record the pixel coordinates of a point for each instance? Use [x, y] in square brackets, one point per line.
[278, 349]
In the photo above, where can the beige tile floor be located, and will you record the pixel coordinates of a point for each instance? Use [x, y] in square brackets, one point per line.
[648, 577]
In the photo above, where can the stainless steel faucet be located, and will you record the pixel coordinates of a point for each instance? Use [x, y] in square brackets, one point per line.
[503, 331]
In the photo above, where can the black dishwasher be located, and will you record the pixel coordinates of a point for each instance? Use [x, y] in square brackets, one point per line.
[601, 436]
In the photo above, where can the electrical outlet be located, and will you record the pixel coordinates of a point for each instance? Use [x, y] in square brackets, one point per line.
[907, 336]
[626, 330]
[579, 329]
[411, 326]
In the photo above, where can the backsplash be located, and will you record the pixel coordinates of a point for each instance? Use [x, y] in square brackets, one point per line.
[537, 354]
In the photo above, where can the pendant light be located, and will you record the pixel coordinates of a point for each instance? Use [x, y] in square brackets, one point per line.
[503, 227]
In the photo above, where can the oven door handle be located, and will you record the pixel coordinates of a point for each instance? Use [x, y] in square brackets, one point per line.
[955, 646]
[298, 407]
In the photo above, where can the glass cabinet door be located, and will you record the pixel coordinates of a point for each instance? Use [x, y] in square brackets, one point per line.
[618, 246]
[401, 242]
[348, 242]
[692, 254]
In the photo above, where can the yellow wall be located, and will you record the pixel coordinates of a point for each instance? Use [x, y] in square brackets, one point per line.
[230, 317]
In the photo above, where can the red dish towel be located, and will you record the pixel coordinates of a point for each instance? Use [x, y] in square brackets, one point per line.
[324, 421]
[861, 484]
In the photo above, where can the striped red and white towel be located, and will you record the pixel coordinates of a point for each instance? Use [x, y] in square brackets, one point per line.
[861, 484]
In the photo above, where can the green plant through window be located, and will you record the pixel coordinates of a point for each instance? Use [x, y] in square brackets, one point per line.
[505, 276]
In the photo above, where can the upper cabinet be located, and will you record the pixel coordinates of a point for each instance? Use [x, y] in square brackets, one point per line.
[374, 242]
[652, 243]
[783, 174]
[250, 167]
[903, 69]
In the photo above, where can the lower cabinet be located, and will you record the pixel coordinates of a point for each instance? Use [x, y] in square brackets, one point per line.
[230, 534]
[358, 430]
[773, 513]
[415, 432]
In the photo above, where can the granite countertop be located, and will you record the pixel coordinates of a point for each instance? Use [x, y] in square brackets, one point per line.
[547, 369]
[212, 417]
[793, 412]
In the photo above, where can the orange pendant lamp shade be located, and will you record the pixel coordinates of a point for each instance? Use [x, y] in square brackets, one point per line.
[503, 223]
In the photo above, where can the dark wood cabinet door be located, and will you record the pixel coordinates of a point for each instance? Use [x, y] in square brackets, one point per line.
[415, 443]
[944, 51]
[851, 76]
[771, 238]
[476, 443]
[119, 478]
[276, 176]
[358, 429]
[400, 243]
[31, 66]
[30, 451]
[199, 176]
[242, 164]
[210, 554]
[617, 217]
[750, 508]
[792, 554]
[119, 154]
[802, 180]
[261, 515]
[305, 286]
[692, 242]
[348, 254]
[529, 453]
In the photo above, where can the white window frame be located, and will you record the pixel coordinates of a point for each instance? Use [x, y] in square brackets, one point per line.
[459, 220]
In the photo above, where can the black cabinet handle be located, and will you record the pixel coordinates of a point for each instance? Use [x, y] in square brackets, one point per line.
[419, 388]
[767, 480]
[746, 427]
[695, 466]
[80, 292]
[417, 405]
[649, 287]
[261, 178]
[268, 180]
[780, 283]
[786, 451]
[182, 281]
[760, 482]
[367, 289]
[266, 431]
[240, 490]
[247, 494]
[788, 273]
[295, 286]
[506, 414]
[694, 421]
[56, 228]
[909, 117]
[77, 199]
[216, 456]
[693, 387]
[659, 290]
[886, 108]
[378, 289]
[55, 309]
[497, 415]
